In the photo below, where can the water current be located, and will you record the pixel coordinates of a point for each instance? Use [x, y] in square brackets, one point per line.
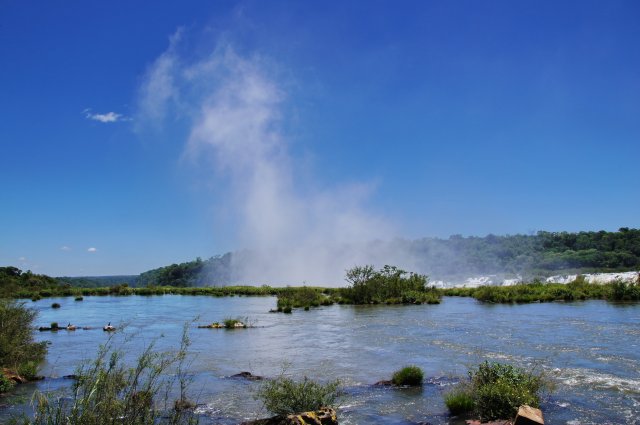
[591, 350]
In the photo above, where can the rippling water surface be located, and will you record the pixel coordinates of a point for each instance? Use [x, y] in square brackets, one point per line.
[590, 349]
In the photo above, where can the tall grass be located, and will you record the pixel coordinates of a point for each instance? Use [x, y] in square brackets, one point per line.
[109, 392]
[283, 395]
[18, 352]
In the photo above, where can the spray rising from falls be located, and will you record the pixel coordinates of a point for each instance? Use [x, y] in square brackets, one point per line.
[292, 233]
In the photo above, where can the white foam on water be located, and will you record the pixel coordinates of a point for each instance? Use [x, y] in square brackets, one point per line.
[582, 377]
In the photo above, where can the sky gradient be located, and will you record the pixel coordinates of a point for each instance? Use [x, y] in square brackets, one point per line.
[131, 136]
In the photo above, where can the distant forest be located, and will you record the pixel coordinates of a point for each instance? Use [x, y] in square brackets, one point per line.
[530, 256]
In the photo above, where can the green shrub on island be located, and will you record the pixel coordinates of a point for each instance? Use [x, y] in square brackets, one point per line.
[287, 310]
[79, 298]
[304, 296]
[537, 291]
[284, 396]
[54, 325]
[411, 376]
[230, 323]
[389, 285]
[55, 305]
[18, 352]
[496, 390]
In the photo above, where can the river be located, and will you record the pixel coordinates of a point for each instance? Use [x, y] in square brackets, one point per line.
[591, 350]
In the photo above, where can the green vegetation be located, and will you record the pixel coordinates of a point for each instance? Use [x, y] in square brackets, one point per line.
[495, 391]
[304, 296]
[389, 285]
[235, 323]
[216, 270]
[408, 376]
[55, 305]
[18, 352]
[5, 384]
[545, 292]
[17, 284]
[542, 254]
[283, 396]
[459, 401]
[107, 390]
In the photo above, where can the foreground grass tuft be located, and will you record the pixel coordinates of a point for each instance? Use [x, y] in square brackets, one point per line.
[409, 375]
[284, 396]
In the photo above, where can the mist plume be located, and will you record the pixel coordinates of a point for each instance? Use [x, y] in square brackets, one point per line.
[291, 232]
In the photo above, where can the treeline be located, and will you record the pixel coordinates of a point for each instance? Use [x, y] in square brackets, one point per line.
[542, 254]
[98, 281]
[14, 281]
[530, 256]
[214, 271]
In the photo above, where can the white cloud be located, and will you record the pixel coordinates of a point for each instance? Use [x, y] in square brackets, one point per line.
[92, 249]
[22, 259]
[109, 117]
[65, 248]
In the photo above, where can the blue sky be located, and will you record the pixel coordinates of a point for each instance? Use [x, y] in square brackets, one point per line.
[422, 118]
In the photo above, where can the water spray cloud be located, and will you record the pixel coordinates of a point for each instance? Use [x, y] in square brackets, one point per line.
[292, 234]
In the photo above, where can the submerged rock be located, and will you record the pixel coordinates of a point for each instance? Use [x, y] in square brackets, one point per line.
[323, 416]
[247, 375]
[215, 325]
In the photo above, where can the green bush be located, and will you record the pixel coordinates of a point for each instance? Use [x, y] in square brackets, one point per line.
[496, 390]
[287, 310]
[390, 285]
[16, 336]
[55, 305]
[283, 396]
[79, 298]
[408, 375]
[5, 384]
[460, 400]
[235, 323]
[28, 370]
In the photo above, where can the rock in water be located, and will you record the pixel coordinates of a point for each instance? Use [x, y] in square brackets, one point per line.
[529, 416]
[247, 375]
[323, 416]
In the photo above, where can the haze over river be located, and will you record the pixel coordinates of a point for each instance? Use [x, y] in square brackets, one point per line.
[590, 349]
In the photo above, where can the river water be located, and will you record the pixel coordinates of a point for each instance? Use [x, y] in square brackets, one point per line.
[591, 350]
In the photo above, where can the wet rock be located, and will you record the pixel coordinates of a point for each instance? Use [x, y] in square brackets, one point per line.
[247, 375]
[383, 384]
[183, 404]
[13, 376]
[323, 416]
[528, 415]
[215, 325]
